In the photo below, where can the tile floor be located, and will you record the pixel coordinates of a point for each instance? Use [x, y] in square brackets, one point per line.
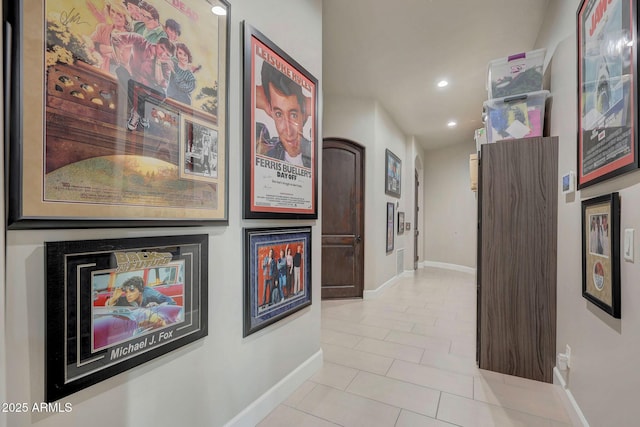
[407, 359]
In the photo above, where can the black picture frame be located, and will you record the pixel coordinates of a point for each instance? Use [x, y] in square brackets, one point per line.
[77, 155]
[275, 185]
[264, 305]
[390, 226]
[94, 332]
[400, 223]
[601, 252]
[393, 174]
[607, 100]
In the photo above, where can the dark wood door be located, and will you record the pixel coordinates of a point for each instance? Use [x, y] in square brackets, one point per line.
[518, 255]
[342, 219]
[416, 232]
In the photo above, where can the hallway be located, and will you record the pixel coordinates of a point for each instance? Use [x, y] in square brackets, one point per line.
[407, 359]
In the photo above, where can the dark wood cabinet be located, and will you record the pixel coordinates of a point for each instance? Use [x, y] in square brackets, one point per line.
[517, 256]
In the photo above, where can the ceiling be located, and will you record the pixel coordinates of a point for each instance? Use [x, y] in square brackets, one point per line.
[396, 51]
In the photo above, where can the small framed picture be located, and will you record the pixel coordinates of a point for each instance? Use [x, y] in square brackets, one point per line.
[198, 150]
[601, 252]
[390, 226]
[112, 305]
[277, 275]
[400, 222]
[393, 174]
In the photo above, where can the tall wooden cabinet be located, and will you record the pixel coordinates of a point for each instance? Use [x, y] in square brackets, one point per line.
[517, 255]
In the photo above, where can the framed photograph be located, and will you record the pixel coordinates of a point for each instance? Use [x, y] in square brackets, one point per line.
[114, 304]
[390, 226]
[601, 252]
[198, 150]
[607, 99]
[400, 222]
[393, 176]
[280, 133]
[111, 105]
[277, 275]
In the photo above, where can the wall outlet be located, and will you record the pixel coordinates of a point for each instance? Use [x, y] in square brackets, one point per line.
[568, 353]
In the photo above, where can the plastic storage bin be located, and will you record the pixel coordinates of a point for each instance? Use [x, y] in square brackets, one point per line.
[516, 74]
[515, 117]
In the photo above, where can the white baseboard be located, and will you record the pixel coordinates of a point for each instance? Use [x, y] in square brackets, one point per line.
[376, 292]
[558, 376]
[277, 394]
[447, 266]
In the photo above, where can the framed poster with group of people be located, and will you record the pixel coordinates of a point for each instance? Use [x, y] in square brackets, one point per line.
[118, 113]
[278, 274]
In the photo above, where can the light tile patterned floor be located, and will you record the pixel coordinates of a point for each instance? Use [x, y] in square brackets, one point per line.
[407, 359]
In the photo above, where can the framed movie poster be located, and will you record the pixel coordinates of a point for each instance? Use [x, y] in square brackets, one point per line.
[117, 113]
[277, 275]
[400, 222]
[280, 133]
[114, 304]
[601, 252]
[607, 95]
[393, 175]
[390, 226]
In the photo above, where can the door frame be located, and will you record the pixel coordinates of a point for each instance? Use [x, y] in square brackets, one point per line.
[416, 211]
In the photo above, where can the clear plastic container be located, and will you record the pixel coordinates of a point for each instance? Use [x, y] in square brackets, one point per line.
[516, 74]
[518, 116]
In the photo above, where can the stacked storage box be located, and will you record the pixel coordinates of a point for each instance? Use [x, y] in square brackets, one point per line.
[516, 104]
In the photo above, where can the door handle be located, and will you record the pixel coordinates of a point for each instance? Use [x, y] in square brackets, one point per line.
[358, 239]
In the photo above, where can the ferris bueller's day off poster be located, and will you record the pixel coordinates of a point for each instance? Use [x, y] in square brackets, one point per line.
[283, 146]
[607, 99]
[124, 83]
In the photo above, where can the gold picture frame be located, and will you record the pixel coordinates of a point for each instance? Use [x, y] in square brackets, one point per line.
[97, 97]
[601, 252]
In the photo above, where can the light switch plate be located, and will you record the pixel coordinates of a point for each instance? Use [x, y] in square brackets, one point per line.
[628, 244]
[569, 182]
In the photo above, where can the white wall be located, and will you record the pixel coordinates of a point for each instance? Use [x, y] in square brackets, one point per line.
[206, 383]
[365, 122]
[604, 376]
[450, 207]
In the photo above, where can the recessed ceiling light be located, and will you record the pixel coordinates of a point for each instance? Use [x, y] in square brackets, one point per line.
[219, 10]
[443, 83]
[452, 123]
